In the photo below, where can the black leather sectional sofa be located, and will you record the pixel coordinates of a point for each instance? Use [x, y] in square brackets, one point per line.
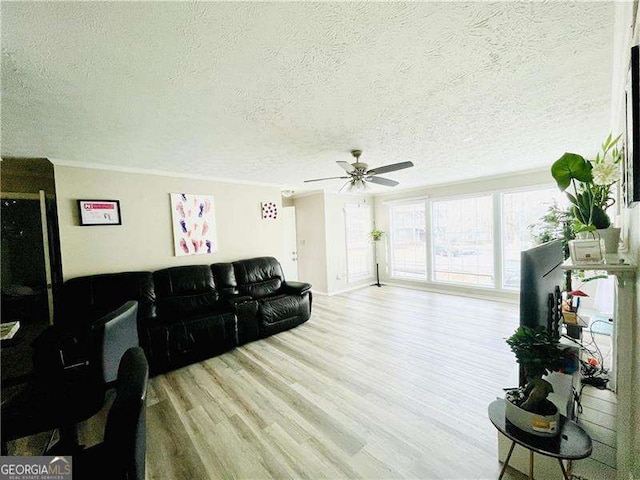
[187, 314]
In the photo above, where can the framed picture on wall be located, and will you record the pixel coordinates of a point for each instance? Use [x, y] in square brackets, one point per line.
[194, 224]
[631, 170]
[99, 212]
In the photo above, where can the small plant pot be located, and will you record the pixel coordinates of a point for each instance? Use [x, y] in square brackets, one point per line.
[611, 237]
[540, 425]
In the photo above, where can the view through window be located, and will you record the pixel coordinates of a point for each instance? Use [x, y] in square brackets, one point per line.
[520, 210]
[464, 246]
[408, 241]
[359, 248]
[463, 240]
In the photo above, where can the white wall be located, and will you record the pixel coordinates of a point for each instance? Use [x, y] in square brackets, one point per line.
[322, 246]
[625, 38]
[145, 241]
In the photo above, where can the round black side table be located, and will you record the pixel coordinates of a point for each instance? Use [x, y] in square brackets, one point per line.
[572, 443]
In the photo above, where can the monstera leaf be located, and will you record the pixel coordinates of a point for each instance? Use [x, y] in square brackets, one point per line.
[570, 166]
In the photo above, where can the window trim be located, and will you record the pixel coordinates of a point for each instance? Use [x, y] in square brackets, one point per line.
[465, 196]
[397, 203]
[497, 225]
[360, 276]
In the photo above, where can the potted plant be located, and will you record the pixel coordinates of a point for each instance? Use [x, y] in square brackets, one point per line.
[376, 234]
[555, 224]
[588, 185]
[539, 353]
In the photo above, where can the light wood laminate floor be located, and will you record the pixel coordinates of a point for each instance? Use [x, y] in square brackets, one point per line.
[380, 383]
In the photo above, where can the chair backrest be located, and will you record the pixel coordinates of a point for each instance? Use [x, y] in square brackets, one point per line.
[258, 277]
[114, 334]
[86, 299]
[125, 431]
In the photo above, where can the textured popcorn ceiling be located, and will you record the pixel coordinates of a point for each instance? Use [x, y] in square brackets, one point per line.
[277, 92]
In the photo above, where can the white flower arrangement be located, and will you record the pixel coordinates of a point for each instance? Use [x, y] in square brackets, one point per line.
[606, 173]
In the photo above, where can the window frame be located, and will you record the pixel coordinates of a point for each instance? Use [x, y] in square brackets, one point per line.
[390, 237]
[497, 226]
[369, 221]
[464, 196]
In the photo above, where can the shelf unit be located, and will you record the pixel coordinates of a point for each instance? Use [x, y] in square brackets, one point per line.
[624, 268]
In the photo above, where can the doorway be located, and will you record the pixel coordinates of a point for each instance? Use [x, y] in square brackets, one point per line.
[289, 260]
[25, 272]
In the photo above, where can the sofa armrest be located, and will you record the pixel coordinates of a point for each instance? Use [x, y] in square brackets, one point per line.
[235, 300]
[296, 288]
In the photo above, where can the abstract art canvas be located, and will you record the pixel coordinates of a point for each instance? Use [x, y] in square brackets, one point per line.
[269, 210]
[194, 224]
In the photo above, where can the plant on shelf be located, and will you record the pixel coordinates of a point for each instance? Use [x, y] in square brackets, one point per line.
[591, 183]
[539, 353]
[376, 235]
[555, 224]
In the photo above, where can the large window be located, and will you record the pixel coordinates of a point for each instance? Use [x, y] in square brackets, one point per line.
[408, 241]
[359, 245]
[473, 240]
[520, 210]
[462, 240]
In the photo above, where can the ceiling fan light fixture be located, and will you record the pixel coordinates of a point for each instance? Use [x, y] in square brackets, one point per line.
[359, 174]
[357, 185]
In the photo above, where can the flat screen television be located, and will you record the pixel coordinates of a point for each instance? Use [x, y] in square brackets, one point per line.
[540, 273]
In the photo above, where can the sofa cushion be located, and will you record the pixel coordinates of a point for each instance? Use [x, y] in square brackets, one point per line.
[225, 278]
[194, 339]
[258, 277]
[264, 288]
[273, 310]
[187, 305]
[91, 297]
[187, 280]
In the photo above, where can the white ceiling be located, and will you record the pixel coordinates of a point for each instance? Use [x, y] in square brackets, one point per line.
[277, 92]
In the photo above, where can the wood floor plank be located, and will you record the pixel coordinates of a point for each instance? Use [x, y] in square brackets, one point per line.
[380, 383]
[171, 454]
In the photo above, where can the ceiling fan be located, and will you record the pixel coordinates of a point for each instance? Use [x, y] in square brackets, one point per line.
[359, 174]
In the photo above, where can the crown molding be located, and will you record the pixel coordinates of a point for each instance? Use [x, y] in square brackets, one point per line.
[162, 173]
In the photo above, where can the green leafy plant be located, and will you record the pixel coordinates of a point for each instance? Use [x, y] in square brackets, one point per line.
[376, 234]
[539, 353]
[591, 183]
[556, 224]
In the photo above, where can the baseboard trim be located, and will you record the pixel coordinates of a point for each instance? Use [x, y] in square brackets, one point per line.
[349, 289]
[488, 295]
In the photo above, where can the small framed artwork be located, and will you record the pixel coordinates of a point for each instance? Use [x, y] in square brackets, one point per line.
[269, 210]
[99, 212]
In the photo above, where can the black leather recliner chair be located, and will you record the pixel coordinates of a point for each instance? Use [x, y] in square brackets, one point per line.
[281, 305]
[193, 319]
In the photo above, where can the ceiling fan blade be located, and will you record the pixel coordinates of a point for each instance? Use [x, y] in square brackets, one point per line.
[346, 165]
[320, 179]
[382, 181]
[390, 168]
[344, 186]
